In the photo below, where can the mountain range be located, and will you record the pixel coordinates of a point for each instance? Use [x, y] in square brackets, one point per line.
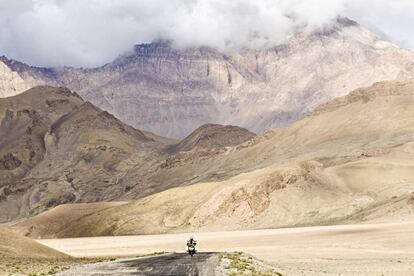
[170, 91]
[56, 148]
[318, 130]
[330, 167]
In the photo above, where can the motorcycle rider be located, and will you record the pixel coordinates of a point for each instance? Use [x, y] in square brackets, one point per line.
[191, 243]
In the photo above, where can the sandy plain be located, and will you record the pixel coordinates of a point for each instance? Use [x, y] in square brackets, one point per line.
[364, 249]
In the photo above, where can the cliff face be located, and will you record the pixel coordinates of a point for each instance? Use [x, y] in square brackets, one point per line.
[172, 91]
[10, 82]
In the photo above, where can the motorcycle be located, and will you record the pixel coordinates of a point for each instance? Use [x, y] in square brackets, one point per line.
[191, 249]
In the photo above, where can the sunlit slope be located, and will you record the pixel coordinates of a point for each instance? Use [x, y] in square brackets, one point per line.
[13, 245]
[352, 160]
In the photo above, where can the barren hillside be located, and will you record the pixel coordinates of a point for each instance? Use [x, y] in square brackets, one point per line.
[327, 168]
[213, 136]
[13, 245]
[55, 148]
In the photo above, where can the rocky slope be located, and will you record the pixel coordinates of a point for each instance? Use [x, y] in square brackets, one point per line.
[171, 91]
[212, 136]
[56, 148]
[327, 168]
[11, 83]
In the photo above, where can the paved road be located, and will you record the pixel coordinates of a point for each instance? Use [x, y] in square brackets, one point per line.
[202, 264]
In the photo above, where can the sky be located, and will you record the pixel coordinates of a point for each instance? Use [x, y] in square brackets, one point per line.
[91, 33]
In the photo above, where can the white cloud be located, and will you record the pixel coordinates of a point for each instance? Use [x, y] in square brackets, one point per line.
[90, 33]
[390, 19]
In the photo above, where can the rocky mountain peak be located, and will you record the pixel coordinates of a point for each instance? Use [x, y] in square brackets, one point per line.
[171, 91]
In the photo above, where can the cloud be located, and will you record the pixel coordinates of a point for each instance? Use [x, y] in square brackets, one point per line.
[391, 20]
[90, 33]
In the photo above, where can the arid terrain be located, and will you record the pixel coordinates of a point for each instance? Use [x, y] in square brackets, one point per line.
[295, 159]
[57, 149]
[328, 168]
[371, 249]
[23, 255]
[13, 245]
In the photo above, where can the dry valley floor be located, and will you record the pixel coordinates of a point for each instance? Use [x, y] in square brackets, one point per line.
[365, 249]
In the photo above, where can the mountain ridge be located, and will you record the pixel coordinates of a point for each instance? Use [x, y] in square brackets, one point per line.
[327, 168]
[170, 91]
[56, 148]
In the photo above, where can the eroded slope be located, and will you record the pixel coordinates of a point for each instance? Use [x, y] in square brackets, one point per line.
[55, 148]
[352, 160]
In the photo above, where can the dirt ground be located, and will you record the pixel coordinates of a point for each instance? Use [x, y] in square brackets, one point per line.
[366, 249]
[43, 266]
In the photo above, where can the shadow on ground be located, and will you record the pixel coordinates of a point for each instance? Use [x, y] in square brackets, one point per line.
[169, 264]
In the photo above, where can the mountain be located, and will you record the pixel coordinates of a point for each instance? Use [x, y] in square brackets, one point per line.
[213, 136]
[172, 91]
[55, 148]
[349, 161]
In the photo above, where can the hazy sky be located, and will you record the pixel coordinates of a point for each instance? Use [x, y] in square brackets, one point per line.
[93, 32]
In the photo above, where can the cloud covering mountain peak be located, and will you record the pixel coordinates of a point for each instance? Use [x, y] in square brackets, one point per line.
[90, 33]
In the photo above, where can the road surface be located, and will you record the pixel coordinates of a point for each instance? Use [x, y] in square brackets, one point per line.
[174, 264]
[365, 249]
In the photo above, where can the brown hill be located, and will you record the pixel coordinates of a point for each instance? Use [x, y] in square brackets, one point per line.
[213, 136]
[15, 246]
[55, 148]
[352, 160]
[25, 119]
[51, 223]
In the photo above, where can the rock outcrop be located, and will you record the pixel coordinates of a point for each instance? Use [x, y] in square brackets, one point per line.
[10, 82]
